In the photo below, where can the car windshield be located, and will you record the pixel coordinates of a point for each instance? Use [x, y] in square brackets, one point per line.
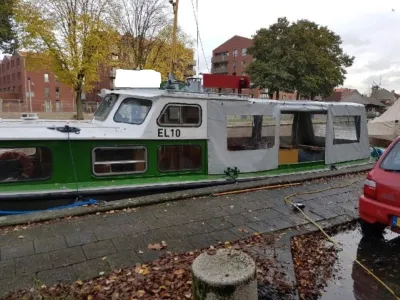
[105, 107]
[133, 111]
[392, 159]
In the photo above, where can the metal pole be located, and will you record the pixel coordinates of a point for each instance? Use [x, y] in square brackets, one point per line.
[198, 36]
[30, 94]
[175, 5]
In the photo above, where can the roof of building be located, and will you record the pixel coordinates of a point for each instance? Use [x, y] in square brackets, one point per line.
[383, 94]
[356, 97]
[235, 37]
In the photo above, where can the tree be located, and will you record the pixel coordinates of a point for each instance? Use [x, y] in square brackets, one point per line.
[8, 36]
[319, 63]
[141, 22]
[301, 56]
[270, 50]
[159, 57]
[73, 38]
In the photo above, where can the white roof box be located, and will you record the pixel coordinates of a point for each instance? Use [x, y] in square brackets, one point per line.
[137, 79]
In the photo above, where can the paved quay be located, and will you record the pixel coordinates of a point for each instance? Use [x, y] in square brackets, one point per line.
[85, 247]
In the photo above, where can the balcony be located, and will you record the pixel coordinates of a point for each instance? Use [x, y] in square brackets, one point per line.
[220, 59]
[220, 70]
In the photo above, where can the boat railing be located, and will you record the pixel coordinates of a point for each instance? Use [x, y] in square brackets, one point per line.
[213, 94]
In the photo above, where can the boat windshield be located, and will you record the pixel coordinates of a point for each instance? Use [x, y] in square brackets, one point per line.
[105, 107]
[133, 111]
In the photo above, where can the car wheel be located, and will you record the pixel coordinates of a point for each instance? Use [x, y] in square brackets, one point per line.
[372, 229]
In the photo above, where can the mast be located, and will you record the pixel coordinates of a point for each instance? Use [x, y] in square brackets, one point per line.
[198, 34]
[175, 5]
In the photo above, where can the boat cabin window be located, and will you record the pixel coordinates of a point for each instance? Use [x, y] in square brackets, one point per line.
[119, 160]
[180, 115]
[105, 107]
[179, 158]
[133, 111]
[25, 164]
[346, 129]
[250, 132]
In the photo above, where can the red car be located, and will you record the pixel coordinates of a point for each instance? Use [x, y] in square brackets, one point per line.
[380, 202]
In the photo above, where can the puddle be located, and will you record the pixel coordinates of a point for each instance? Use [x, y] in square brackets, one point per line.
[352, 282]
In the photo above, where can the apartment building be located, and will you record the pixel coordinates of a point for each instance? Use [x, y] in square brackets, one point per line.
[21, 88]
[231, 58]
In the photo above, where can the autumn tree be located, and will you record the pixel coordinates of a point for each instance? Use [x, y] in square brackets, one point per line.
[8, 35]
[301, 56]
[159, 58]
[73, 38]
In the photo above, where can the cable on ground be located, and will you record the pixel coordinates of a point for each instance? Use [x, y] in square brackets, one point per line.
[331, 239]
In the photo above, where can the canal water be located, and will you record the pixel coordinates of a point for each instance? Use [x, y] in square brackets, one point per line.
[381, 256]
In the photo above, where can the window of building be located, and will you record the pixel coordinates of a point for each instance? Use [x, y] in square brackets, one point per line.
[244, 51]
[8, 78]
[119, 160]
[180, 115]
[18, 61]
[283, 97]
[235, 52]
[346, 129]
[55, 78]
[250, 132]
[243, 64]
[105, 107]
[18, 75]
[13, 77]
[179, 158]
[13, 88]
[57, 92]
[243, 73]
[24, 164]
[46, 77]
[47, 92]
[8, 66]
[133, 111]
[12, 64]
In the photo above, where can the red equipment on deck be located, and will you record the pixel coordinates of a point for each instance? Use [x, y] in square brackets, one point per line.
[226, 81]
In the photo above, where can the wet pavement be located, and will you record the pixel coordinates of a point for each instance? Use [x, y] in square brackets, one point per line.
[381, 256]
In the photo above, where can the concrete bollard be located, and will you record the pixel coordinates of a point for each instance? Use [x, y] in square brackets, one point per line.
[227, 275]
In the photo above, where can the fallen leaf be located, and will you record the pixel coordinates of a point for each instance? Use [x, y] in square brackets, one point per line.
[104, 258]
[21, 237]
[101, 273]
[179, 272]
[155, 246]
[79, 282]
[140, 252]
[140, 293]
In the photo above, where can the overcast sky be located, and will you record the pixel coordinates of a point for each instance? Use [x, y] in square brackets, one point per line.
[370, 30]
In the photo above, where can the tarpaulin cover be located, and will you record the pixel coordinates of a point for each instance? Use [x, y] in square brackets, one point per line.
[387, 126]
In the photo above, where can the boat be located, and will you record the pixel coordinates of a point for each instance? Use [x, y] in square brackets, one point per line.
[143, 139]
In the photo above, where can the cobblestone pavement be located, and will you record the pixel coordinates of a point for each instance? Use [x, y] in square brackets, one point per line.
[84, 247]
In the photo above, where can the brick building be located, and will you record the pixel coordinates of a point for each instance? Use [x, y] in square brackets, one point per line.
[47, 94]
[231, 58]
